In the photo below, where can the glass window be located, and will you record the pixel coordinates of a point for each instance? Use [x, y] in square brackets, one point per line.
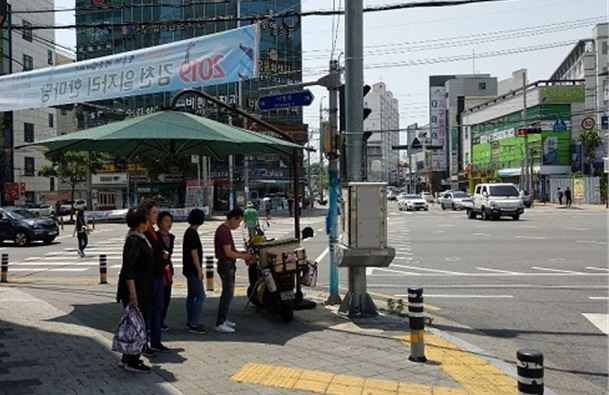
[481, 86]
[28, 132]
[51, 120]
[503, 190]
[52, 184]
[29, 166]
[28, 62]
[26, 33]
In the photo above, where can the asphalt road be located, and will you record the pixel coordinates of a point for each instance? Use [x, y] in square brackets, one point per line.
[540, 282]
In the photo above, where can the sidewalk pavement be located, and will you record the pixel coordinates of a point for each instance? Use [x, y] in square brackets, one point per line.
[574, 206]
[56, 339]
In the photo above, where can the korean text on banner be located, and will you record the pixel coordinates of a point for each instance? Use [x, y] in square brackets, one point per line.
[214, 59]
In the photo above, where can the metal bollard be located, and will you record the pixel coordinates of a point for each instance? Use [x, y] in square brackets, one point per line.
[4, 269]
[416, 325]
[530, 372]
[93, 222]
[209, 273]
[61, 222]
[103, 269]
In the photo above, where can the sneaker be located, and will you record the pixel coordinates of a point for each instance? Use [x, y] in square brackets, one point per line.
[224, 329]
[160, 348]
[230, 323]
[82, 254]
[121, 363]
[148, 352]
[164, 328]
[197, 329]
[140, 367]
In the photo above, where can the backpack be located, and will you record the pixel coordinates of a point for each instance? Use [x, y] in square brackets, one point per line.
[130, 336]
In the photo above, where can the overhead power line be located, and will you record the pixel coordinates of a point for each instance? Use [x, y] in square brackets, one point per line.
[288, 14]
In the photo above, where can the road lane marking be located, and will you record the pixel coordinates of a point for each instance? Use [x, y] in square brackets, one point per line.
[598, 297]
[382, 269]
[531, 237]
[459, 296]
[31, 263]
[549, 269]
[601, 321]
[30, 269]
[482, 234]
[602, 269]
[497, 271]
[428, 270]
[581, 229]
[591, 242]
[452, 259]
[499, 286]
[69, 270]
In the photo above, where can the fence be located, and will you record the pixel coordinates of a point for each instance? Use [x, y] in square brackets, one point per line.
[591, 189]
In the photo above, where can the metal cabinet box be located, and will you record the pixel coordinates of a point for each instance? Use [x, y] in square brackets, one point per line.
[364, 219]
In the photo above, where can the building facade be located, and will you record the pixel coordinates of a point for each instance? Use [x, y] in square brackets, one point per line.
[384, 123]
[280, 64]
[588, 61]
[24, 50]
[497, 151]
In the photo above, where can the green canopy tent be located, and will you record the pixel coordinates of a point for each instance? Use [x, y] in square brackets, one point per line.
[169, 133]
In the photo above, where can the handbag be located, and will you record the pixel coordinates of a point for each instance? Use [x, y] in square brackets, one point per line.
[168, 274]
[309, 276]
[130, 336]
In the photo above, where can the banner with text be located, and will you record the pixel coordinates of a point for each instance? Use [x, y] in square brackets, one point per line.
[220, 58]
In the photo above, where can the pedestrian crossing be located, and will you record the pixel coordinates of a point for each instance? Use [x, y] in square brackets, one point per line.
[109, 242]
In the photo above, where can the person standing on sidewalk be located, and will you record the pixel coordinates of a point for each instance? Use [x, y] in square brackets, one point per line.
[80, 231]
[155, 319]
[136, 277]
[250, 216]
[167, 240]
[568, 197]
[227, 254]
[559, 194]
[192, 260]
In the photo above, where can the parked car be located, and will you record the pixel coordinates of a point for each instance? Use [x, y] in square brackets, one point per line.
[392, 195]
[43, 210]
[428, 197]
[23, 226]
[412, 202]
[493, 201]
[527, 198]
[453, 199]
[67, 207]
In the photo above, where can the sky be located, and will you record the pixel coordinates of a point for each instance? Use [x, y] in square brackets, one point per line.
[418, 34]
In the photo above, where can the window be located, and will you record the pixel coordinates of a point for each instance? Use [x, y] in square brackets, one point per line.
[26, 33]
[604, 47]
[482, 86]
[52, 184]
[28, 62]
[28, 132]
[49, 56]
[29, 166]
[51, 120]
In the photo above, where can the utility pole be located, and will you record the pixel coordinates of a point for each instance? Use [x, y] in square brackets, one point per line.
[357, 302]
[321, 157]
[231, 187]
[333, 161]
[525, 173]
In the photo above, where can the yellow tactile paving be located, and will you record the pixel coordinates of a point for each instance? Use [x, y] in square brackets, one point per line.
[329, 383]
[476, 375]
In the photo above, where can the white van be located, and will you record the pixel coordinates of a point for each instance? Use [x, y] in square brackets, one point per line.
[493, 201]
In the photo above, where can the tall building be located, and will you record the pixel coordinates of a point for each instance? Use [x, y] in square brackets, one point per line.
[24, 50]
[280, 64]
[384, 122]
[588, 61]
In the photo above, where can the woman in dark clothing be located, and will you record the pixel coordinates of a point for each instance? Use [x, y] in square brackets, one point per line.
[158, 284]
[80, 230]
[167, 240]
[136, 276]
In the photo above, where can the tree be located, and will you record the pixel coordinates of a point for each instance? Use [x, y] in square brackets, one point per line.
[320, 172]
[72, 166]
[591, 140]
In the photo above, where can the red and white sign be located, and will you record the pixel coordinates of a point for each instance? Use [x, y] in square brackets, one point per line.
[588, 123]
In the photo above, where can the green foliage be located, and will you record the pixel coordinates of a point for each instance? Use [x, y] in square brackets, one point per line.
[155, 166]
[591, 140]
[72, 166]
[315, 172]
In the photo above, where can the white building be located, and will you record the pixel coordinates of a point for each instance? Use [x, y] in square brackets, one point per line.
[28, 50]
[384, 122]
[588, 61]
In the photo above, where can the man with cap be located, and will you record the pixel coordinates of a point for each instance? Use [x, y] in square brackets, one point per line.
[250, 216]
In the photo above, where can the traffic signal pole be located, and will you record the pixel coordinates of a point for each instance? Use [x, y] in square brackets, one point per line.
[525, 173]
[357, 302]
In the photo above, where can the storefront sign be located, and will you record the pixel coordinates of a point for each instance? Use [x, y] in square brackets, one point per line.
[438, 127]
[109, 179]
[214, 59]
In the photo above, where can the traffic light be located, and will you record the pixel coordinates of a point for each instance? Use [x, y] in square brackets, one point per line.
[342, 114]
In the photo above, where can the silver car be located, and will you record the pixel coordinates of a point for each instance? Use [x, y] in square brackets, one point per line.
[455, 200]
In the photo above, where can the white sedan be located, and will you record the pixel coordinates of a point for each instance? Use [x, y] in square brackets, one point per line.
[412, 202]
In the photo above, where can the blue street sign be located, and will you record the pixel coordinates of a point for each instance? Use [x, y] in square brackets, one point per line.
[605, 122]
[559, 125]
[296, 99]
